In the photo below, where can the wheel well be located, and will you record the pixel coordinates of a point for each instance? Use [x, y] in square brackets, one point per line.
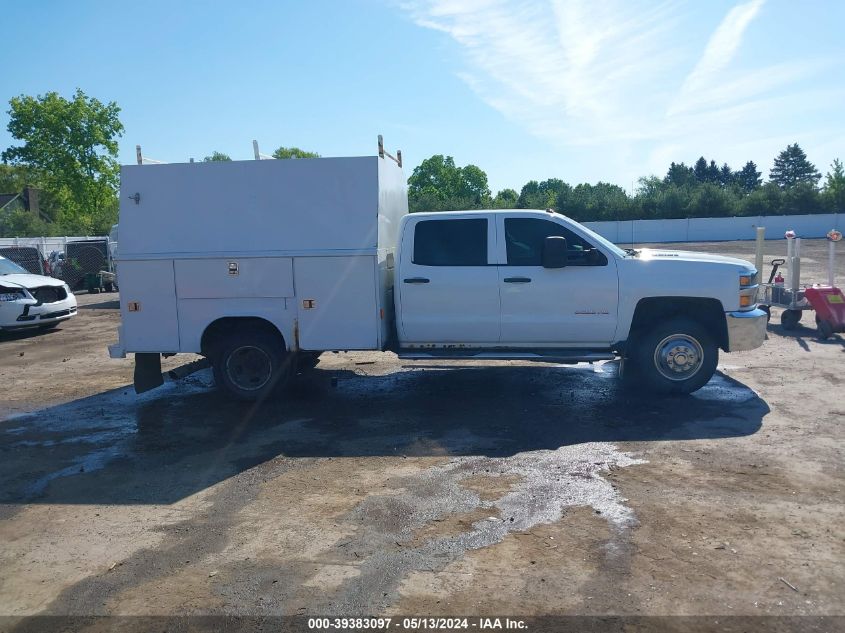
[708, 312]
[221, 328]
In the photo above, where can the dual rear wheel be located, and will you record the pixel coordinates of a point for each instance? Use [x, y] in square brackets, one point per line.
[253, 364]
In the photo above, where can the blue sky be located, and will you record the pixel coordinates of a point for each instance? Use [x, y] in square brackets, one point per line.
[578, 90]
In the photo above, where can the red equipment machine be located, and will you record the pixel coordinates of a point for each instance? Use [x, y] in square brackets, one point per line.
[827, 301]
[829, 304]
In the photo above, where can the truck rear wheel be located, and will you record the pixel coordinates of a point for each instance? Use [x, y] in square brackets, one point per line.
[250, 365]
[679, 356]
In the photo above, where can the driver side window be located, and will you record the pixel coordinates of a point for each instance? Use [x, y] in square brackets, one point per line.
[524, 240]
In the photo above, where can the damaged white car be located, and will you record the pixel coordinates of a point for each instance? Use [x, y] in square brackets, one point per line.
[28, 300]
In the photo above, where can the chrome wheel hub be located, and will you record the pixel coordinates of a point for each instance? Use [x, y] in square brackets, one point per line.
[249, 368]
[678, 357]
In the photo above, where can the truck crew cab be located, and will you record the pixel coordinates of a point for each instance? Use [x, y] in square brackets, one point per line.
[262, 265]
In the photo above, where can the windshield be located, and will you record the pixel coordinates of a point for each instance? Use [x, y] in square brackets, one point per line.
[10, 268]
[601, 240]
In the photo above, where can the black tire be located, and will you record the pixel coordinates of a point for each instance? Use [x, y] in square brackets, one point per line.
[251, 364]
[825, 328]
[789, 319]
[108, 286]
[768, 311]
[653, 357]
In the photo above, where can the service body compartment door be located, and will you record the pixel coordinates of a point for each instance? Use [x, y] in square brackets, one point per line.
[234, 277]
[148, 306]
[337, 302]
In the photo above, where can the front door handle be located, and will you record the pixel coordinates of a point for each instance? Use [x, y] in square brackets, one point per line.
[416, 280]
[517, 280]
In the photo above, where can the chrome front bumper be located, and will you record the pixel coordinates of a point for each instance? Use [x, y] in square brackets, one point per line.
[746, 330]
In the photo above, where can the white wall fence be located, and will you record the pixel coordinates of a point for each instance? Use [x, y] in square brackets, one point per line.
[45, 244]
[621, 232]
[716, 229]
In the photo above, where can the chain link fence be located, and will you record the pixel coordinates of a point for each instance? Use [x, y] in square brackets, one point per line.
[82, 258]
[67, 258]
[28, 257]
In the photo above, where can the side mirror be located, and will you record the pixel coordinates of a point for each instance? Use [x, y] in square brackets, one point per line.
[554, 252]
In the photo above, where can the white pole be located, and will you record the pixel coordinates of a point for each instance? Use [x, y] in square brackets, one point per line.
[138, 156]
[795, 276]
[255, 150]
[758, 260]
[789, 262]
[831, 261]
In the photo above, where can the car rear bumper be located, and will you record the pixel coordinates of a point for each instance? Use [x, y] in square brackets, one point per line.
[746, 330]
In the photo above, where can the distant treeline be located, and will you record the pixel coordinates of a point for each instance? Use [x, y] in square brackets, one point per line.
[702, 190]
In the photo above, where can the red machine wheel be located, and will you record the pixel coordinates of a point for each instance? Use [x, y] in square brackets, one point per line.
[790, 318]
[825, 328]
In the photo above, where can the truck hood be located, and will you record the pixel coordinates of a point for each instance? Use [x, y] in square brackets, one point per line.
[691, 256]
[26, 280]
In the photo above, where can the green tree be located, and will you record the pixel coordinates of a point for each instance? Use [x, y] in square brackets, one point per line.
[801, 199]
[792, 168]
[710, 201]
[71, 144]
[542, 195]
[217, 157]
[436, 179]
[293, 152]
[748, 178]
[13, 178]
[834, 187]
[506, 199]
[700, 169]
[726, 176]
[764, 200]
[473, 185]
[679, 175]
[22, 223]
[437, 184]
[713, 173]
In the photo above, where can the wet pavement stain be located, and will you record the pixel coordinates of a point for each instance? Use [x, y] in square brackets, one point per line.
[547, 484]
[160, 447]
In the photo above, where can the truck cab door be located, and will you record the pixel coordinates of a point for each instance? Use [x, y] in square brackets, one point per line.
[448, 287]
[573, 306]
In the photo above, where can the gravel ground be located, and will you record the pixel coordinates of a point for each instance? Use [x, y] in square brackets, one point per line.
[380, 486]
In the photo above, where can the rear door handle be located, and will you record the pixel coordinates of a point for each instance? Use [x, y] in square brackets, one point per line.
[517, 280]
[416, 280]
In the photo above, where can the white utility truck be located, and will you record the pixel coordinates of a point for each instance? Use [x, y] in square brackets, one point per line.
[262, 265]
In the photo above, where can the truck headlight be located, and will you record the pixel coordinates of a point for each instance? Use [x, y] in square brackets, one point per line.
[748, 290]
[748, 300]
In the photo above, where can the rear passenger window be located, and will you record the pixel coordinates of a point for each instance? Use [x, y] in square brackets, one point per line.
[451, 243]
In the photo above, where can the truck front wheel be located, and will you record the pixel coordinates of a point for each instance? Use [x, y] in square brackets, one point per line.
[678, 356]
[250, 365]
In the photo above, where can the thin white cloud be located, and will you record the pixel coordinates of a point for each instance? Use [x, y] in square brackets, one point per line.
[719, 52]
[563, 68]
[725, 41]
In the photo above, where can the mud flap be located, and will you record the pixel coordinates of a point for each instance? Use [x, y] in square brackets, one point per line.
[147, 372]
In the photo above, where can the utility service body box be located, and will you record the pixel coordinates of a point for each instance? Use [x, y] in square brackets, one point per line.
[306, 244]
